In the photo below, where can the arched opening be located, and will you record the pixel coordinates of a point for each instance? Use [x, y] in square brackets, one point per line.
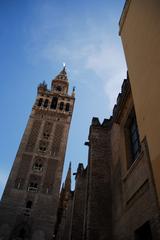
[54, 102]
[46, 134]
[40, 102]
[33, 187]
[37, 166]
[29, 204]
[61, 106]
[58, 88]
[43, 146]
[67, 107]
[45, 103]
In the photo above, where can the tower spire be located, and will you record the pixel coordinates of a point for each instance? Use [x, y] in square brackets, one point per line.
[61, 81]
[68, 178]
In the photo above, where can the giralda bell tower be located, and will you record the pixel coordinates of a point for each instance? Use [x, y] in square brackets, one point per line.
[29, 203]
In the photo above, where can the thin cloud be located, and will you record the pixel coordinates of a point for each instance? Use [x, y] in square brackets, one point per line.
[108, 63]
[91, 48]
[105, 60]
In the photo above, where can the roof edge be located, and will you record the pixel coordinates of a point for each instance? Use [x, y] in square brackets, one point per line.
[124, 15]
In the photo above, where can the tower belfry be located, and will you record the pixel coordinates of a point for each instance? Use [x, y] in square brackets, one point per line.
[29, 203]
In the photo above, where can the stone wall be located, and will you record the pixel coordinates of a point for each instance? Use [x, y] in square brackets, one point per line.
[99, 202]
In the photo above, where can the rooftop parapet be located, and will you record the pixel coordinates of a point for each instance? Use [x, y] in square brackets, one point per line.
[95, 121]
[80, 170]
[106, 122]
[125, 91]
[42, 87]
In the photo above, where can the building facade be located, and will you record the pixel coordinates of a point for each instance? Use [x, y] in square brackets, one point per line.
[30, 200]
[140, 34]
[115, 196]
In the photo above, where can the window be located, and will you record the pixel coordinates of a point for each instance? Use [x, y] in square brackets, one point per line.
[61, 106]
[37, 166]
[29, 204]
[46, 134]
[67, 107]
[54, 102]
[43, 146]
[144, 232]
[19, 183]
[132, 138]
[40, 102]
[58, 88]
[45, 103]
[33, 187]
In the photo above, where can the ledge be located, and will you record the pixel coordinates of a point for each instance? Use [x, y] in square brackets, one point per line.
[133, 166]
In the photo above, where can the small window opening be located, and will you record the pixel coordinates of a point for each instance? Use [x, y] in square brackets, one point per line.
[19, 183]
[61, 106]
[37, 167]
[54, 102]
[46, 134]
[43, 146]
[46, 103]
[40, 102]
[33, 187]
[29, 204]
[67, 107]
[58, 88]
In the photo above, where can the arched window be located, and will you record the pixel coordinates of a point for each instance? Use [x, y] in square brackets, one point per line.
[19, 183]
[54, 102]
[67, 107]
[37, 166]
[58, 88]
[29, 204]
[33, 187]
[45, 103]
[43, 146]
[40, 102]
[46, 134]
[61, 105]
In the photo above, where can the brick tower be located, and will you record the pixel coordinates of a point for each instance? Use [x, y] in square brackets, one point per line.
[29, 203]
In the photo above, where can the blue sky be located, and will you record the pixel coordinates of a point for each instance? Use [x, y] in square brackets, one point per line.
[36, 37]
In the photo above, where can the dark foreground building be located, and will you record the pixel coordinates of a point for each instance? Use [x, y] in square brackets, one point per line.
[115, 196]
